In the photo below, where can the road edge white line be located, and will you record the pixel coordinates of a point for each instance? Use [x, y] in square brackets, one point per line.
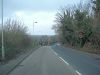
[78, 73]
[64, 61]
[55, 53]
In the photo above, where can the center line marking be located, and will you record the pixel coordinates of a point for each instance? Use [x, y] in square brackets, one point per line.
[64, 61]
[78, 73]
[55, 53]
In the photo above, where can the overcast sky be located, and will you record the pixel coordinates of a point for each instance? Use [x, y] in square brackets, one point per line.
[41, 11]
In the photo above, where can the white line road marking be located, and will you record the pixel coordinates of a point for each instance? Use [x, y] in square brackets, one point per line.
[64, 61]
[78, 73]
[55, 53]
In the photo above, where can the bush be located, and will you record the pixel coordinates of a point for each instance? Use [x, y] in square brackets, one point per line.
[15, 38]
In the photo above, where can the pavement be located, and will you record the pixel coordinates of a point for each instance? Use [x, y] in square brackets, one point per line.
[44, 61]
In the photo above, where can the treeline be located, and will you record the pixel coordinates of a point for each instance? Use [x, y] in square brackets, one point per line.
[45, 40]
[16, 39]
[79, 25]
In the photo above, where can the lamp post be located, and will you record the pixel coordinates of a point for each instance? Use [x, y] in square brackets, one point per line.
[33, 31]
[33, 26]
[2, 38]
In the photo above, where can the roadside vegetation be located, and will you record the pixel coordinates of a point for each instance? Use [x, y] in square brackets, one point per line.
[16, 39]
[78, 26]
[44, 40]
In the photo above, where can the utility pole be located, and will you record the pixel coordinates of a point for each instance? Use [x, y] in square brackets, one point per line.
[2, 38]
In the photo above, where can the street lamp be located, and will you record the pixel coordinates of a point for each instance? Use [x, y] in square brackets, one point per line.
[33, 26]
[33, 30]
[2, 38]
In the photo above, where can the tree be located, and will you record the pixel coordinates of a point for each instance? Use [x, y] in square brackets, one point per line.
[83, 26]
[73, 23]
[16, 38]
[79, 26]
[64, 22]
[96, 36]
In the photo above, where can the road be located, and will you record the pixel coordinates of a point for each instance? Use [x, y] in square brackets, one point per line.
[84, 63]
[44, 61]
[57, 60]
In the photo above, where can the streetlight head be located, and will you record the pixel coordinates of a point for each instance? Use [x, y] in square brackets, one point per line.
[35, 22]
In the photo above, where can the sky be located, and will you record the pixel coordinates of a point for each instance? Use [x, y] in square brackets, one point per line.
[30, 11]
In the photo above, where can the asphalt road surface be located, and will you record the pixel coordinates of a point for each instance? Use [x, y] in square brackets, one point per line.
[84, 63]
[57, 60]
[44, 61]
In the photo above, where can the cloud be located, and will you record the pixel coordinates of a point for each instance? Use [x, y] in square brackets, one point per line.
[44, 20]
[11, 6]
[42, 11]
